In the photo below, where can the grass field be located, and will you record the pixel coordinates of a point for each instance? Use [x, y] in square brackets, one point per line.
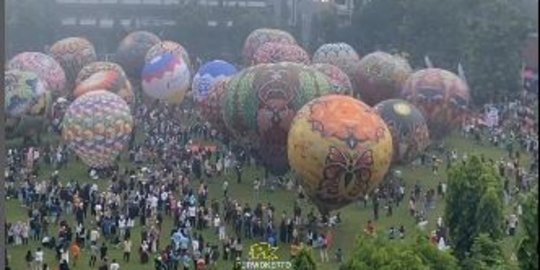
[354, 216]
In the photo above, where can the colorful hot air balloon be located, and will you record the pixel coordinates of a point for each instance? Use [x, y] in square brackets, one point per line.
[260, 36]
[212, 106]
[207, 75]
[97, 126]
[166, 78]
[47, 69]
[380, 76]
[410, 134]
[132, 51]
[273, 52]
[24, 94]
[110, 80]
[73, 54]
[262, 100]
[341, 55]
[441, 96]
[338, 79]
[340, 148]
[171, 47]
[97, 66]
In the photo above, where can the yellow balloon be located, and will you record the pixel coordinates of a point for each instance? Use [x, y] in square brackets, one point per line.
[340, 148]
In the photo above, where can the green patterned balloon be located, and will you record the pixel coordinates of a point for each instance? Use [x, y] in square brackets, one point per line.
[261, 102]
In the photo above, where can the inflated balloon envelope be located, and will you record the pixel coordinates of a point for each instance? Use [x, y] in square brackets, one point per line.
[340, 148]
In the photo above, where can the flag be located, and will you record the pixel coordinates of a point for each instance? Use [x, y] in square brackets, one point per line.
[461, 72]
[428, 62]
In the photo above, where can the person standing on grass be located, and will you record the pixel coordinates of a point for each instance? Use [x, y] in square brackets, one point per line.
[29, 258]
[127, 249]
[94, 251]
[76, 252]
[38, 256]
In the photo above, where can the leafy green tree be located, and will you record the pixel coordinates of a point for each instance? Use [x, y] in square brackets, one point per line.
[304, 260]
[472, 185]
[493, 46]
[527, 250]
[486, 254]
[489, 215]
[380, 253]
[432, 257]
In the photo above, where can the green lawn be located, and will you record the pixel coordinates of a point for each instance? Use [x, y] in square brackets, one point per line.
[354, 216]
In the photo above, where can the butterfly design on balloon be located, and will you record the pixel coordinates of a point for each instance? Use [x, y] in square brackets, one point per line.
[346, 175]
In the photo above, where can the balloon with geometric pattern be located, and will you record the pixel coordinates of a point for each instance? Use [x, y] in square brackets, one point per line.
[166, 77]
[341, 55]
[338, 79]
[273, 52]
[207, 75]
[410, 134]
[340, 148]
[261, 36]
[73, 54]
[132, 51]
[261, 101]
[48, 70]
[441, 96]
[380, 76]
[97, 127]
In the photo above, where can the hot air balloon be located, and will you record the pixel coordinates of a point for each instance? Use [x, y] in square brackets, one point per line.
[380, 76]
[47, 69]
[207, 75]
[273, 52]
[166, 77]
[132, 51]
[109, 80]
[171, 47]
[73, 54]
[97, 66]
[338, 79]
[341, 55]
[212, 106]
[260, 36]
[340, 148]
[441, 96]
[24, 94]
[262, 100]
[410, 134]
[97, 126]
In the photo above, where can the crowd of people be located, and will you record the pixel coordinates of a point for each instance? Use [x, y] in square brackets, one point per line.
[167, 181]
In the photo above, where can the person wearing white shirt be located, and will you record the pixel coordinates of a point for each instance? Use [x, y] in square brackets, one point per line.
[114, 265]
[39, 259]
[217, 222]
[94, 235]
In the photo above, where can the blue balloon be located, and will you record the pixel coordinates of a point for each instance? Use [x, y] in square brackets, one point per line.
[207, 75]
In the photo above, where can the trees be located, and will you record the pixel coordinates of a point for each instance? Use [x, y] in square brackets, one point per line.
[304, 260]
[493, 46]
[486, 254]
[527, 253]
[486, 36]
[379, 253]
[473, 205]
